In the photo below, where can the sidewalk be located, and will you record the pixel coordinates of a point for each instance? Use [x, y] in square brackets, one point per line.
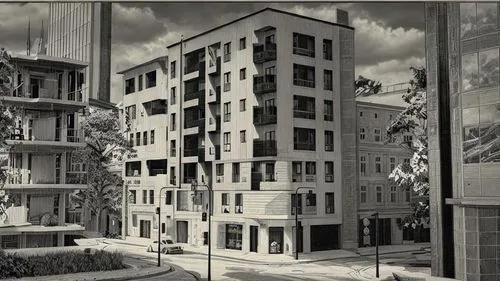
[394, 249]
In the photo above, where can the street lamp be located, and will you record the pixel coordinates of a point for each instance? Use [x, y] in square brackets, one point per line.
[158, 211]
[376, 243]
[297, 219]
[194, 187]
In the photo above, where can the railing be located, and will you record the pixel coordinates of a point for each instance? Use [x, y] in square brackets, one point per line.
[264, 115]
[296, 177]
[269, 177]
[227, 57]
[225, 209]
[310, 178]
[264, 83]
[154, 172]
[76, 95]
[194, 95]
[304, 114]
[304, 146]
[191, 68]
[238, 209]
[264, 52]
[303, 83]
[227, 147]
[19, 176]
[73, 135]
[189, 179]
[395, 87]
[303, 52]
[76, 177]
[328, 178]
[188, 152]
[51, 93]
[264, 148]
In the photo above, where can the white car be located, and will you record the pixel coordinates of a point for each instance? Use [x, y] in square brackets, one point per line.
[167, 246]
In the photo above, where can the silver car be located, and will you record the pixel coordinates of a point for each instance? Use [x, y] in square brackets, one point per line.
[167, 246]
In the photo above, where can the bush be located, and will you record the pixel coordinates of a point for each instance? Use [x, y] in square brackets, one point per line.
[58, 263]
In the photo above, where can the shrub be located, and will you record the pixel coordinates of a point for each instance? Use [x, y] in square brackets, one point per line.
[58, 263]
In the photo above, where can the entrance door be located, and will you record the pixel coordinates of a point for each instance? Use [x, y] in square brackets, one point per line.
[145, 229]
[276, 240]
[254, 238]
[182, 231]
[324, 237]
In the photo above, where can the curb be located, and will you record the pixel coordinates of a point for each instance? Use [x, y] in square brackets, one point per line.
[396, 252]
[171, 269]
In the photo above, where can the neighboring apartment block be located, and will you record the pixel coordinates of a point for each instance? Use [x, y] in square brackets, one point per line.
[82, 31]
[377, 159]
[257, 108]
[50, 94]
[145, 124]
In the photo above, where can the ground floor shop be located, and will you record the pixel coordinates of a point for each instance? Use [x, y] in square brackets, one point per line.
[42, 239]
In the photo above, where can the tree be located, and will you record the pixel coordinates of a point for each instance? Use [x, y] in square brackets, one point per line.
[105, 144]
[366, 87]
[413, 122]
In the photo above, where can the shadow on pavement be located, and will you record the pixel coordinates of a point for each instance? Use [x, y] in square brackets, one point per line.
[257, 276]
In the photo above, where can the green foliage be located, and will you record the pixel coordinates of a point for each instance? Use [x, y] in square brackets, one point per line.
[367, 87]
[58, 263]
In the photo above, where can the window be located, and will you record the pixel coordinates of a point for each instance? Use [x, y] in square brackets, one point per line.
[243, 43]
[379, 194]
[362, 194]
[151, 197]
[173, 95]
[219, 169]
[144, 197]
[243, 74]
[304, 139]
[227, 52]
[477, 19]
[243, 136]
[145, 138]
[238, 203]
[151, 79]
[310, 171]
[328, 140]
[329, 203]
[328, 80]
[304, 107]
[303, 75]
[470, 70]
[327, 49]
[392, 163]
[243, 105]
[378, 165]
[270, 39]
[227, 112]
[227, 81]
[172, 176]
[131, 112]
[361, 114]
[133, 196]
[141, 78]
[303, 45]
[296, 203]
[225, 203]
[375, 115]
[152, 136]
[173, 150]
[172, 122]
[227, 141]
[129, 86]
[133, 169]
[236, 172]
[172, 69]
[138, 138]
[393, 194]
[376, 135]
[296, 171]
[328, 110]
[270, 70]
[134, 220]
[168, 197]
[329, 171]
[362, 168]
[311, 199]
[362, 133]
[131, 139]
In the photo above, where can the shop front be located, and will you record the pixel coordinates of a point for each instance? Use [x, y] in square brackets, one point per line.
[234, 236]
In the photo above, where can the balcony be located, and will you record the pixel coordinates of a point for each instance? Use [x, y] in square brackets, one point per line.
[191, 68]
[304, 52]
[264, 115]
[189, 151]
[305, 114]
[50, 97]
[264, 83]
[214, 95]
[194, 95]
[39, 136]
[76, 178]
[73, 135]
[256, 180]
[214, 66]
[264, 52]
[201, 154]
[304, 83]
[263, 148]
[304, 146]
[214, 124]
[190, 123]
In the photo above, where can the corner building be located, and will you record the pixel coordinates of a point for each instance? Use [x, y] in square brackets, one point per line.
[257, 108]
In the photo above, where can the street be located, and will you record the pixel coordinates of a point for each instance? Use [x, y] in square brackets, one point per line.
[225, 269]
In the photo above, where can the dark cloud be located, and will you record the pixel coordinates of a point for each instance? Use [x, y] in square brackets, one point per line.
[135, 25]
[405, 15]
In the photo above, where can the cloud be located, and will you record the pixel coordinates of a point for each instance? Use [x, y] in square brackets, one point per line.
[390, 71]
[133, 24]
[14, 24]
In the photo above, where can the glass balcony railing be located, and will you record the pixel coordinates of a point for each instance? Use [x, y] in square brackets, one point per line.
[264, 148]
[264, 83]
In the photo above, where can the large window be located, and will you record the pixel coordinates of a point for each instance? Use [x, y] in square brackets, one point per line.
[304, 107]
[227, 112]
[234, 234]
[329, 203]
[303, 45]
[379, 193]
[129, 86]
[362, 167]
[310, 171]
[480, 69]
[477, 19]
[304, 75]
[327, 49]
[151, 79]
[362, 194]
[304, 139]
[329, 171]
[172, 69]
[227, 52]
[328, 140]
[480, 135]
[328, 80]
[227, 141]
[227, 81]
[328, 110]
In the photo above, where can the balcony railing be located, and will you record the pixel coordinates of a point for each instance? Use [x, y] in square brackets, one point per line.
[191, 68]
[304, 146]
[310, 178]
[73, 135]
[76, 178]
[264, 83]
[238, 209]
[189, 152]
[219, 179]
[264, 148]
[201, 154]
[189, 179]
[264, 115]
[194, 95]
[304, 83]
[304, 114]
[190, 123]
[216, 93]
[19, 176]
[51, 93]
[264, 52]
[304, 51]
[269, 177]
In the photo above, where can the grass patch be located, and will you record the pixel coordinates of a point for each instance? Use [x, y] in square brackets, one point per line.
[12, 265]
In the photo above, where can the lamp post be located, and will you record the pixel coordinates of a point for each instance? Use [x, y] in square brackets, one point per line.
[297, 219]
[194, 187]
[376, 244]
[158, 211]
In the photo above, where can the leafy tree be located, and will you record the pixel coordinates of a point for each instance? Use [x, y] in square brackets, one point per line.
[366, 87]
[105, 144]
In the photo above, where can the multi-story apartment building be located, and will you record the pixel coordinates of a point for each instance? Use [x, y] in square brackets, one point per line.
[377, 159]
[82, 31]
[145, 124]
[49, 93]
[463, 105]
[257, 108]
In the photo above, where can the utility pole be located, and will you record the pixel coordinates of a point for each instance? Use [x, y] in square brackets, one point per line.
[297, 219]
[194, 187]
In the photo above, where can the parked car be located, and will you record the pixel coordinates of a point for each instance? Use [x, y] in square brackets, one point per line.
[167, 246]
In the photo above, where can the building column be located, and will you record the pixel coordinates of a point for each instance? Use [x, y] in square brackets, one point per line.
[60, 239]
[62, 208]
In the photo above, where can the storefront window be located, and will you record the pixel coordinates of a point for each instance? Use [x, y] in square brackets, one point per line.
[234, 233]
[469, 72]
[468, 26]
[488, 68]
[486, 17]
[276, 240]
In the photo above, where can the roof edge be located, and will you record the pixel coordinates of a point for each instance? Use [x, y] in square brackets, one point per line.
[157, 59]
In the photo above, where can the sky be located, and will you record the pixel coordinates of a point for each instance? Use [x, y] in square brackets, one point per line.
[389, 37]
